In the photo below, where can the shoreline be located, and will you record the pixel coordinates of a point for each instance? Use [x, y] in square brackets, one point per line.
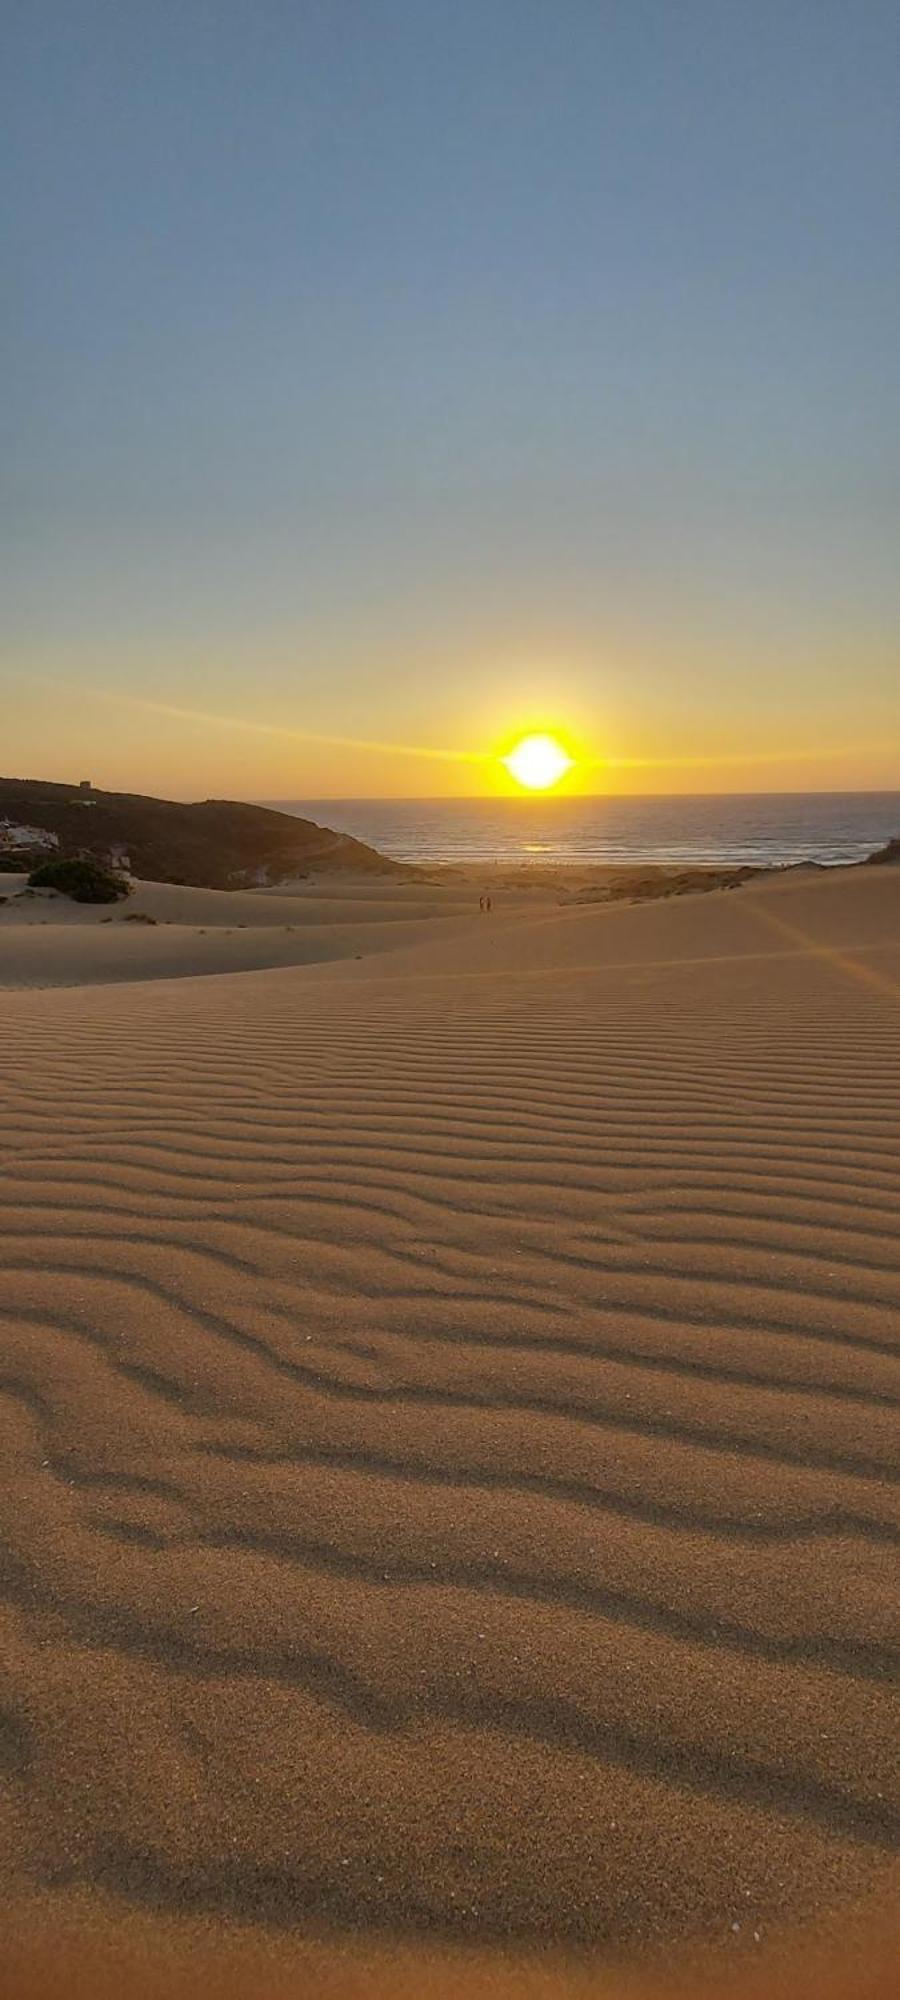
[762, 830]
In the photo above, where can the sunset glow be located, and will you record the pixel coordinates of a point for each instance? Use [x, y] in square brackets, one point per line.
[538, 762]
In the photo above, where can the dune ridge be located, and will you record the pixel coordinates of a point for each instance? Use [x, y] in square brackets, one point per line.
[449, 1392]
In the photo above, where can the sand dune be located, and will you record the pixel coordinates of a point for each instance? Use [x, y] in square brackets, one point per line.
[449, 1385]
[165, 931]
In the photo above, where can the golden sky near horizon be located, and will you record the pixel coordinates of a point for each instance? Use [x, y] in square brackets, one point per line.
[212, 726]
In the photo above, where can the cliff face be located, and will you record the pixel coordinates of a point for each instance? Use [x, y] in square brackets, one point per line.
[217, 844]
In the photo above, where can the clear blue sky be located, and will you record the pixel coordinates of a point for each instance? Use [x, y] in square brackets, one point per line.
[410, 370]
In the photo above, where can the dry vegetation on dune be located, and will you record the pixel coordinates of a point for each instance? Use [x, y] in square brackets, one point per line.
[449, 1402]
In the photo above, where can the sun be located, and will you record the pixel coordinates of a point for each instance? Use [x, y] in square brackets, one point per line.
[537, 762]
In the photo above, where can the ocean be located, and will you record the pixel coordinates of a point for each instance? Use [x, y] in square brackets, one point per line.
[763, 829]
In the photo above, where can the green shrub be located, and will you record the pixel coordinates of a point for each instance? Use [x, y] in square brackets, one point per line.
[85, 881]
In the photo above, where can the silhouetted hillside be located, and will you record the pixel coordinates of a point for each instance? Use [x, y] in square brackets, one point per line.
[889, 853]
[216, 844]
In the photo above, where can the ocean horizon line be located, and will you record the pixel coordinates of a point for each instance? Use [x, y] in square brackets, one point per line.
[568, 798]
[757, 829]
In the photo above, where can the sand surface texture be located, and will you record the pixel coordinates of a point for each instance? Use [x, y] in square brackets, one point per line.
[447, 1396]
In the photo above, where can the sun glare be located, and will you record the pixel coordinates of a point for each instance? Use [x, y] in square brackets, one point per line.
[537, 762]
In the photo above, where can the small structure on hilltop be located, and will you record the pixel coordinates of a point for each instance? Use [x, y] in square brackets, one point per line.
[218, 845]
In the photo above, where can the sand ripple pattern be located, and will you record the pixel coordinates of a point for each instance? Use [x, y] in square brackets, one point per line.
[451, 1435]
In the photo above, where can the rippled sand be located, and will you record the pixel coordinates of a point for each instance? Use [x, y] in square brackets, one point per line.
[448, 1404]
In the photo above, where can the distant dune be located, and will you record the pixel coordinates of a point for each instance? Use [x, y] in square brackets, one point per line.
[448, 1413]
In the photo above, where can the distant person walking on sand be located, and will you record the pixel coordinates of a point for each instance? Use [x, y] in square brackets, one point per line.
[488, 904]
[481, 904]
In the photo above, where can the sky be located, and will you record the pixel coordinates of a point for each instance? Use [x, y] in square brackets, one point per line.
[387, 378]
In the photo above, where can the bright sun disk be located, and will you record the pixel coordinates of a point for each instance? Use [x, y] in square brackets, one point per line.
[538, 762]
